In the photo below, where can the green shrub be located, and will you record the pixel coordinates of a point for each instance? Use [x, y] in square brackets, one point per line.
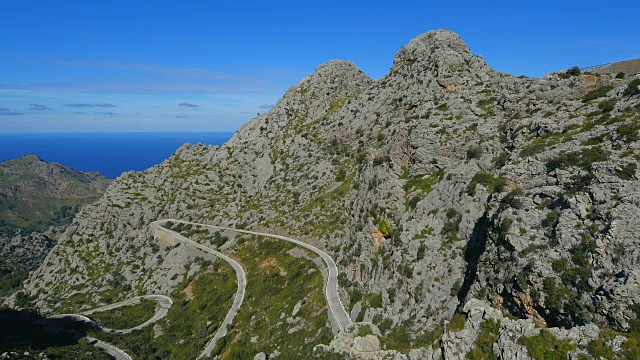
[488, 181]
[555, 293]
[421, 251]
[384, 227]
[579, 183]
[545, 346]
[574, 71]
[219, 239]
[632, 88]
[582, 159]
[384, 325]
[578, 277]
[483, 350]
[474, 152]
[487, 106]
[512, 198]
[501, 160]
[421, 182]
[457, 322]
[628, 132]
[597, 93]
[595, 140]
[620, 75]
[364, 330]
[22, 300]
[455, 289]
[375, 300]
[486, 102]
[451, 227]
[599, 349]
[552, 217]
[413, 202]
[379, 160]
[532, 149]
[628, 171]
[607, 105]
[559, 265]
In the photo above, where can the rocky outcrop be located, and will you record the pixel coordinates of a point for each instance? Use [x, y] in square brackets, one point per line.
[442, 182]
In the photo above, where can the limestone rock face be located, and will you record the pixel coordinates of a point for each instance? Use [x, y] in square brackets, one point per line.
[442, 182]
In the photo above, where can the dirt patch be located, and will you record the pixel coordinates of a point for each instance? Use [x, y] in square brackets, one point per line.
[157, 330]
[188, 291]
[272, 262]
[378, 239]
[527, 303]
[228, 351]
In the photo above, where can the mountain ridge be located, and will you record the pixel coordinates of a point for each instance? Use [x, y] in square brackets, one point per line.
[37, 200]
[441, 183]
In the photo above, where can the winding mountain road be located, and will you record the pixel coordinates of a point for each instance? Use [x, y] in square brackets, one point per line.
[164, 303]
[240, 275]
[338, 314]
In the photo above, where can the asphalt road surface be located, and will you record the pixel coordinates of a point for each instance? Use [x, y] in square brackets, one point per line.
[240, 275]
[338, 314]
[164, 303]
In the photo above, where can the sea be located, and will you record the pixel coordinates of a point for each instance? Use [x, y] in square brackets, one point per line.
[111, 154]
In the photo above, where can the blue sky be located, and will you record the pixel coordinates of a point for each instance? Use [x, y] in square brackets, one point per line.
[84, 66]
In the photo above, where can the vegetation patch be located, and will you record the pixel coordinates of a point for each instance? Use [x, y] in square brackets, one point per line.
[632, 88]
[261, 324]
[401, 338]
[490, 182]
[627, 172]
[629, 132]
[582, 159]
[487, 105]
[533, 149]
[489, 330]
[189, 324]
[126, 317]
[383, 226]
[457, 322]
[545, 346]
[451, 227]
[423, 184]
[597, 93]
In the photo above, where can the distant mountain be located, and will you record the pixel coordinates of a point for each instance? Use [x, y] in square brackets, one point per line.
[35, 194]
[37, 201]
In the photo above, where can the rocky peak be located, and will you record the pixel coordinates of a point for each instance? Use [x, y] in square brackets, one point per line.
[338, 67]
[439, 54]
[441, 46]
[31, 158]
[329, 88]
[335, 78]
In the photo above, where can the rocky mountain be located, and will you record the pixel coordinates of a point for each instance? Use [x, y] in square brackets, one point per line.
[461, 204]
[35, 194]
[37, 200]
